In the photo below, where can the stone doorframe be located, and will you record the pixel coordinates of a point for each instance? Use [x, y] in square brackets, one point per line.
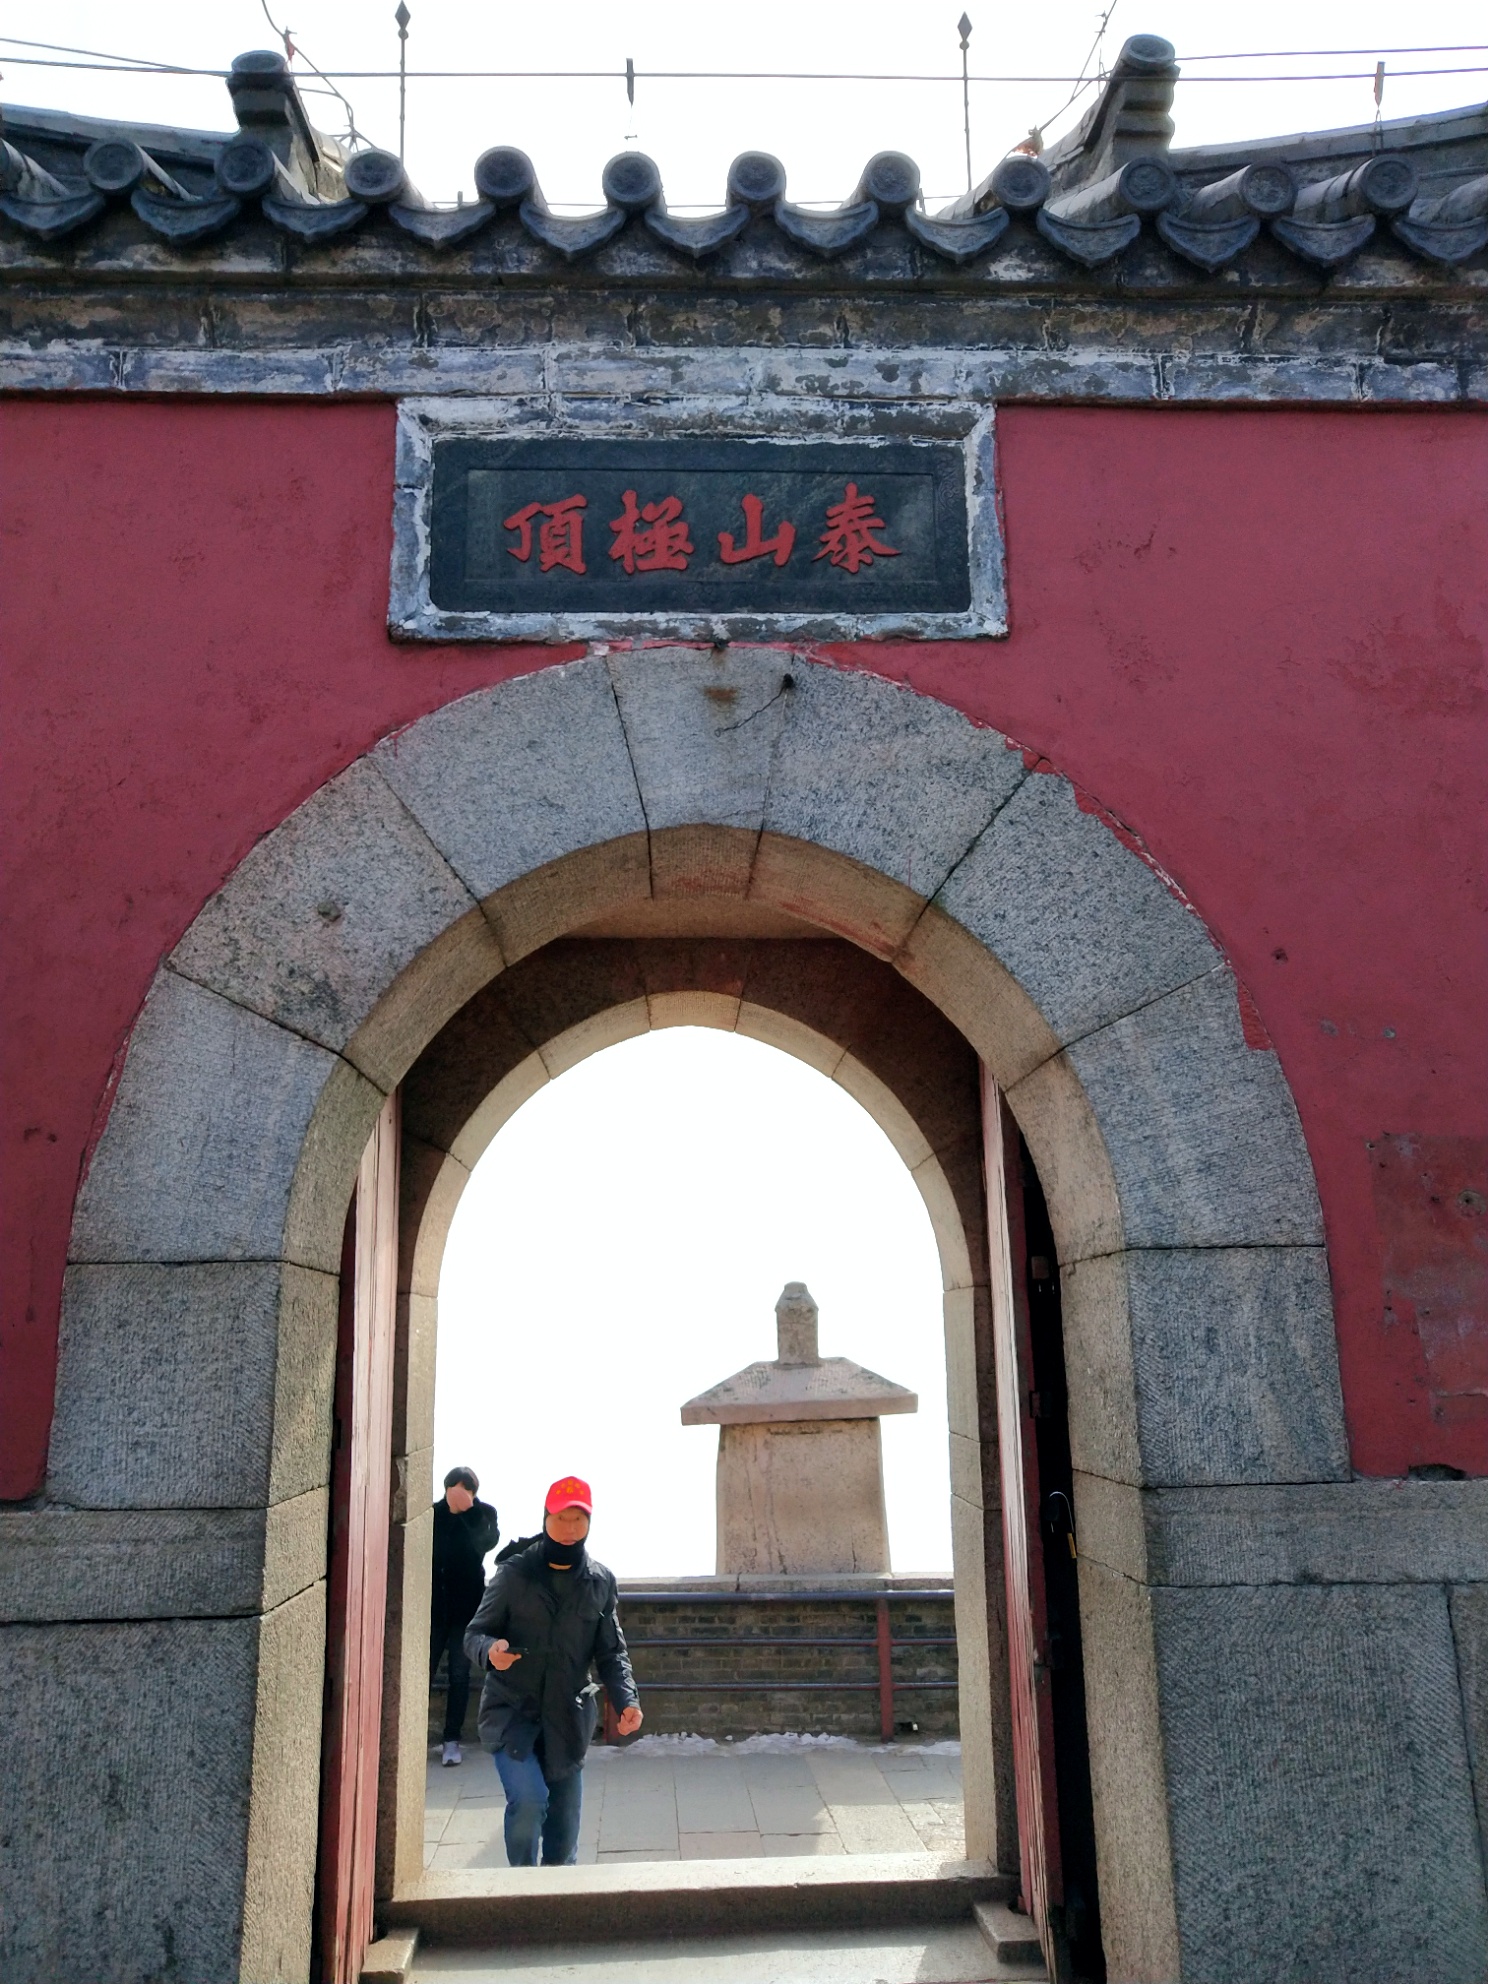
[199, 1318]
[842, 1011]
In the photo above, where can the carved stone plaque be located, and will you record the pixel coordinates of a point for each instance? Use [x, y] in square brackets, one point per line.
[516, 533]
[721, 527]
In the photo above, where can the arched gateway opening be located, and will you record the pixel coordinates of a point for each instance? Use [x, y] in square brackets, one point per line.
[993, 955]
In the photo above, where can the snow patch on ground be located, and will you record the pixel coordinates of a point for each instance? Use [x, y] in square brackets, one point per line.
[779, 1744]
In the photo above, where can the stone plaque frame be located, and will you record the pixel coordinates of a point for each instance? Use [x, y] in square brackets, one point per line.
[857, 427]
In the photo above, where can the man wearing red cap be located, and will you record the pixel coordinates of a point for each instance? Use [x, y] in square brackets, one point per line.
[548, 1615]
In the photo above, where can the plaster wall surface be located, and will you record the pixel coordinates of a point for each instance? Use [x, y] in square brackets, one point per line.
[1271, 677]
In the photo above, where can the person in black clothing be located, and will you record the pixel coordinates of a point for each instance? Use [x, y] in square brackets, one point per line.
[464, 1530]
[549, 1613]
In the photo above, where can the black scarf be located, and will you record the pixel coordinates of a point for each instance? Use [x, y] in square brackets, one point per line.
[572, 1556]
[538, 1566]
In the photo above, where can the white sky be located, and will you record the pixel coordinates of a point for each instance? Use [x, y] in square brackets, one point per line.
[825, 132]
[621, 1247]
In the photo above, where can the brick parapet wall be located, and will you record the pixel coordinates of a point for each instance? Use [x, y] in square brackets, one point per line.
[696, 1678]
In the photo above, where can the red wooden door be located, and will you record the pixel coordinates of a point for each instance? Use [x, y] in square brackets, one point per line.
[1032, 1705]
[361, 1486]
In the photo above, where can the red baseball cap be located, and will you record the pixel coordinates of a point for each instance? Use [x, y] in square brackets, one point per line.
[569, 1493]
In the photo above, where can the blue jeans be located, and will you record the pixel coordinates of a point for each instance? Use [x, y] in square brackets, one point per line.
[539, 1812]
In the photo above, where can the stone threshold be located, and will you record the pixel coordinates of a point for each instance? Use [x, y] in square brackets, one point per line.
[712, 1897]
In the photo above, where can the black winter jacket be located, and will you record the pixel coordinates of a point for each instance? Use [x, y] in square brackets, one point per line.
[562, 1622]
[460, 1545]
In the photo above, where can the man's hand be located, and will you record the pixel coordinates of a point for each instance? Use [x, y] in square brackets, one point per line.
[501, 1657]
[630, 1719]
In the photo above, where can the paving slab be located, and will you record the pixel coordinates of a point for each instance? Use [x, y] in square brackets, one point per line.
[866, 1829]
[719, 1846]
[457, 1855]
[714, 1806]
[794, 1808]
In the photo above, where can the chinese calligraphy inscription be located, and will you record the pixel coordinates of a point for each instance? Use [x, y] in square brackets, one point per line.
[735, 525]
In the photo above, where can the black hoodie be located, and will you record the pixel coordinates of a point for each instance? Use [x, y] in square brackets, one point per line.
[460, 1545]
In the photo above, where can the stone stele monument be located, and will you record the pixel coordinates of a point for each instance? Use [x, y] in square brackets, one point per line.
[800, 1457]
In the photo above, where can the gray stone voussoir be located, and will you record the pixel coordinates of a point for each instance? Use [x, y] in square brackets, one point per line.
[229, 1139]
[1318, 1783]
[515, 777]
[895, 780]
[324, 924]
[1226, 1370]
[1200, 1128]
[195, 1385]
[83, 1564]
[1087, 928]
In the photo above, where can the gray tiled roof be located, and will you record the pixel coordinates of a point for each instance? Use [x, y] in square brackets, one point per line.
[1420, 185]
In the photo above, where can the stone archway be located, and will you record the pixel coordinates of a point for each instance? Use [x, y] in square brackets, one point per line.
[200, 1308]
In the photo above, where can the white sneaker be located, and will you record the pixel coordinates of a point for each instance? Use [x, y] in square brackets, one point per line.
[451, 1754]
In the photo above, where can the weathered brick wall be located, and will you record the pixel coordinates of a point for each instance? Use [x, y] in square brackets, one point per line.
[752, 1662]
[694, 1675]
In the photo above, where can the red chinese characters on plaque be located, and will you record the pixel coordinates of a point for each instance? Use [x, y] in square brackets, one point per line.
[560, 539]
[655, 537]
[848, 539]
[756, 544]
[850, 529]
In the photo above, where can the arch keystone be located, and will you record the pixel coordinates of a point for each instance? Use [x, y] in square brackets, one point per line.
[702, 726]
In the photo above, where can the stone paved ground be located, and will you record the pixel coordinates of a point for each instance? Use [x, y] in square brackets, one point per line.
[689, 1798]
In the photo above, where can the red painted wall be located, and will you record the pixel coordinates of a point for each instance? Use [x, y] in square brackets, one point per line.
[1256, 637]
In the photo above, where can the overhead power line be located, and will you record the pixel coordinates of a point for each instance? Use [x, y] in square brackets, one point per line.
[1231, 55]
[291, 50]
[61, 48]
[1314, 54]
[134, 66]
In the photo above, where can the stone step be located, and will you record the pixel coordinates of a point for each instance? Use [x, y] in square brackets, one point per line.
[932, 1953]
[698, 1897]
[1011, 1937]
[390, 1959]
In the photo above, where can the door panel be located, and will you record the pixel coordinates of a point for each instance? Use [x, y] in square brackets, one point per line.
[1032, 1703]
[361, 1484]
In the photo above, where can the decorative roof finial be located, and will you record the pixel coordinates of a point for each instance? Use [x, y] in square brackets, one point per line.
[795, 1325]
